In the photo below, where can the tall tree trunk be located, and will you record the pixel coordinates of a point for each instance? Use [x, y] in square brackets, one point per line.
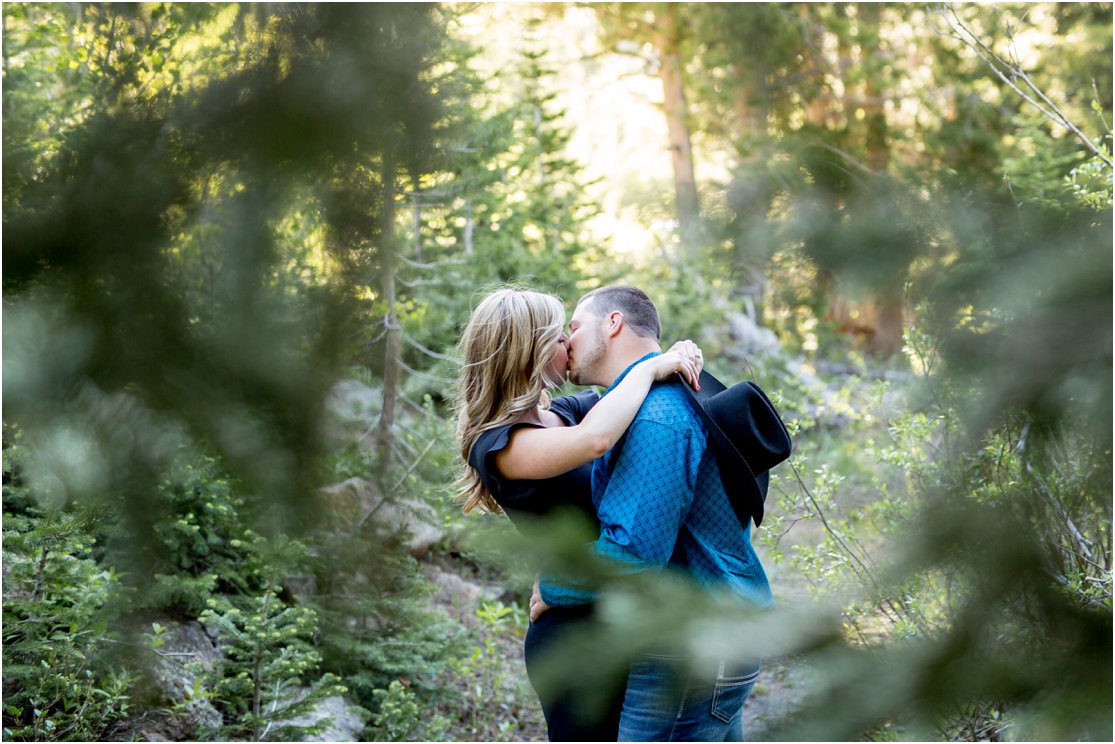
[667, 37]
[752, 118]
[469, 226]
[393, 343]
[874, 114]
[751, 201]
[10, 99]
[887, 340]
[888, 300]
[818, 112]
[416, 215]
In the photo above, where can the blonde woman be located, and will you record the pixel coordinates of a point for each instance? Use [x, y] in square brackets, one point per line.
[528, 454]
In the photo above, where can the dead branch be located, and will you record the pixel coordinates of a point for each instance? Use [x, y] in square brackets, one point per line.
[1010, 72]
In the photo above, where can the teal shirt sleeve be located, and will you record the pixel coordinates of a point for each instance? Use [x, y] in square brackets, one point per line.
[643, 502]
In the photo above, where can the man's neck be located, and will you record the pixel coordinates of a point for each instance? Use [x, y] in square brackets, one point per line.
[624, 356]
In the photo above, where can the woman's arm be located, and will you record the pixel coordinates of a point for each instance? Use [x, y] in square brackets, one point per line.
[534, 453]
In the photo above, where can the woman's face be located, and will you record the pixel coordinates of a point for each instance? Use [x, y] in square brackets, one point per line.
[558, 367]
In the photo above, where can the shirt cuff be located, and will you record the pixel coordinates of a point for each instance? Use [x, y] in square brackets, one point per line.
[557, 595]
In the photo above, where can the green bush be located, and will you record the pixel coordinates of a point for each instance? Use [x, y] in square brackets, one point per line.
[201, 545]
[60, 682]
[897, 523]
[401, 718]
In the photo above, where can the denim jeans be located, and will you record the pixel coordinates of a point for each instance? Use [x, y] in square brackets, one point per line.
[667, 701]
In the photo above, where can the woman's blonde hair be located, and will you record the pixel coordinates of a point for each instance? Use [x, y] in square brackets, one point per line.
[506, 347]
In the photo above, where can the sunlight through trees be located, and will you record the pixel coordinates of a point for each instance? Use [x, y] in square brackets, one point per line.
[240, 244]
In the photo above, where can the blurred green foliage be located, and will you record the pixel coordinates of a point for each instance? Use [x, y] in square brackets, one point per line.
[963, 550]
[201, 202]
[100, 245]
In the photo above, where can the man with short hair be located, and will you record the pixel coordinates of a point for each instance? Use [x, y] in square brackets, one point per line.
[661, 503]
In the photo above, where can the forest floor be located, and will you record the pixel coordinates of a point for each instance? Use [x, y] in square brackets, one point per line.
[782, 685]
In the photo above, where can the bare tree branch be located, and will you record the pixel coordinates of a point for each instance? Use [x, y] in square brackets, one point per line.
[424, 350]
[424, 375]
[1011, 71]
[437, 265]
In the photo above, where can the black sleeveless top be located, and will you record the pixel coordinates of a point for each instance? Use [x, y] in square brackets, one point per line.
[524, 499]
[537, 497]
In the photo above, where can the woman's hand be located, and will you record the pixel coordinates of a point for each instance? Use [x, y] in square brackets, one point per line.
[684, 357]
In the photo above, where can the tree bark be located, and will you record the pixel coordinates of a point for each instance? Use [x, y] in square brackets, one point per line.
[752, 201]
[752, 118]
[468, 228]
[887, 340]
[393, 341]
[874, 114]
[666, 38]
[416, 216]
[888, 301]
[818, 112]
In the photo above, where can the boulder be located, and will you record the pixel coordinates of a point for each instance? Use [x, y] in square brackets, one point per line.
[458, 597]
[353, 410]
[346, 720]
[356, 499]
[352, 399]
[749, 339]
[185, 646]
[351, 499]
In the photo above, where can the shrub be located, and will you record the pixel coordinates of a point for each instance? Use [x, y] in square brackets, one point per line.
[59, 683]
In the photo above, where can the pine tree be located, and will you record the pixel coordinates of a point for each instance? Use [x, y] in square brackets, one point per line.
[61, 679]
[269, 671]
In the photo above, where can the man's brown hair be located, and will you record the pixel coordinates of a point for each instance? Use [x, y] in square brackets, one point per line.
[638, 311]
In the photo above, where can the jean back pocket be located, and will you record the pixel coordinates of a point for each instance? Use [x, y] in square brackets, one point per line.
[733, 684]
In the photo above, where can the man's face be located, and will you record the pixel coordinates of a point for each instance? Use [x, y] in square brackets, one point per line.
[586, 346]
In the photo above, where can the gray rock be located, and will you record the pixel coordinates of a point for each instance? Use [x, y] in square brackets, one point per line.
[351, 499]
[356, 499]
[185, 645]
[457, 597]
[352, 399]
[354, 409]
[749, 338]
[346, 720]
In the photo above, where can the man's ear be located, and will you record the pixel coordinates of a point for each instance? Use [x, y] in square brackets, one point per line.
[614, 324]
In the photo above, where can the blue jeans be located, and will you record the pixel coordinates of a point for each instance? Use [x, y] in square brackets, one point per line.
[667, 701]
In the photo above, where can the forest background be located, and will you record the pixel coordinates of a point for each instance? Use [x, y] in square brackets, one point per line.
[240, 242]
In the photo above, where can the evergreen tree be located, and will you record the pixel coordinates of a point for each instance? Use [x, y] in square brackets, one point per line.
[62, 675]
[267, 675]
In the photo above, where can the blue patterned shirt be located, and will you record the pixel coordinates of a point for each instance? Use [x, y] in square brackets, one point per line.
[661, 504]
